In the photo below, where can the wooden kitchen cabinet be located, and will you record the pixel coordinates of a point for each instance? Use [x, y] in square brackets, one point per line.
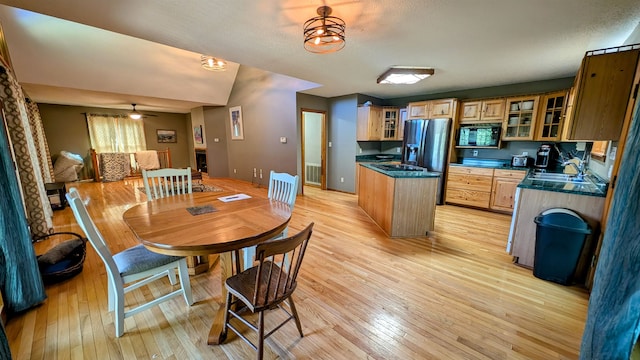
[551, 118]
[503, 190]
[520, 118]
[390, 123]
[482, 111]
[369, 125]
[441, 108]
[418, 110]
[469, 186]
[607, 79]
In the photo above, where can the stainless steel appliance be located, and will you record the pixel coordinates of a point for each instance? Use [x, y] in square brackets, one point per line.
[426, 144]
[543, 156]
[519, 161]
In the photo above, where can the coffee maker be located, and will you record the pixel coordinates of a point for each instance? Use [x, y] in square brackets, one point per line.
[544, 157]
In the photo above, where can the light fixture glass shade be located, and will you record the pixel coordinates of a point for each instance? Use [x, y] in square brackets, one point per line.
[324, 34]
[212, 63]
[135, 115]
[404, 75]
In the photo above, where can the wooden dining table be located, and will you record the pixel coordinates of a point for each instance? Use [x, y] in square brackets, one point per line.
[201, 224]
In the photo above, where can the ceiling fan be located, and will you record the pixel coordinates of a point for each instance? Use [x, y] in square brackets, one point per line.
[137, 115]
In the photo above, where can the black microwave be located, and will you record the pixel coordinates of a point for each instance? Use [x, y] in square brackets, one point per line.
[480, 136]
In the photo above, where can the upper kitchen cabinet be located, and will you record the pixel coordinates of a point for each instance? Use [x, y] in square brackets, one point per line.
[520, 118]
[390, 123]
[482, 111]
[551, 117]
[442, 108]
[369, 125]
[418, 110]
[607, 80]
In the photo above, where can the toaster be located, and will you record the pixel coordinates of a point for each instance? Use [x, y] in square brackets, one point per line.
[519, 161]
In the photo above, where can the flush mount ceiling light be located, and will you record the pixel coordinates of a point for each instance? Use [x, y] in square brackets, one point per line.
[213, 64]
[135, 115]
[405, 75]
[324, 34]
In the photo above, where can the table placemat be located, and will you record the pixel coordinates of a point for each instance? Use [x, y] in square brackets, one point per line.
[199, 210]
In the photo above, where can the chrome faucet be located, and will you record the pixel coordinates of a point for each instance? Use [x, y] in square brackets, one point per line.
[581, 169]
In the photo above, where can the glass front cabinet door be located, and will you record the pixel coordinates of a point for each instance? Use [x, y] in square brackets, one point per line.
[520, 118]
[552, 115]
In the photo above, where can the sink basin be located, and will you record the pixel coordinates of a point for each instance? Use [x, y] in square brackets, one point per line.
[554, 177]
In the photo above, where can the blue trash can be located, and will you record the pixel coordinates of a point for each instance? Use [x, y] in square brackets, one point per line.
[560, 237]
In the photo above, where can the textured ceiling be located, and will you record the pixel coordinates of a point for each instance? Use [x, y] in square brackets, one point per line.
[147, 51]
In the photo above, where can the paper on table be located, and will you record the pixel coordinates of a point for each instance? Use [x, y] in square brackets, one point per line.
[234, 197]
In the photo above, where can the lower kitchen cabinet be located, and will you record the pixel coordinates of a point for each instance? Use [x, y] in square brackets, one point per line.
[469, 186]
[503, 191]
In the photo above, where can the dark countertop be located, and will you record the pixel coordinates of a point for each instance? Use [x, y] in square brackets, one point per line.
[400, 173]
[378, 158]
[594, 187]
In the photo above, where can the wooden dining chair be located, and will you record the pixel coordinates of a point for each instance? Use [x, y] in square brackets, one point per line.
[135, 265]
[266, 286]
[166, 182]
[283, 187]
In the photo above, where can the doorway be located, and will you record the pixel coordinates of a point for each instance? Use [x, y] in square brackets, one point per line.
[314, 155]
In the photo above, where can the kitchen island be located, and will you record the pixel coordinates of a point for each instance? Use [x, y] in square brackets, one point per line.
[400, 199]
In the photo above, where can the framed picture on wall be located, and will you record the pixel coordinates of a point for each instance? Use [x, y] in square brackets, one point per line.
[197, 134]
[235, 117]
[166, 136]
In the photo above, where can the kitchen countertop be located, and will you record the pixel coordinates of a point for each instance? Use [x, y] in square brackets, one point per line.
[401, 173]
[489, 163]
[378, 158]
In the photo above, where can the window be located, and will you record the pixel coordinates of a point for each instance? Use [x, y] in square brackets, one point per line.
[115, 133]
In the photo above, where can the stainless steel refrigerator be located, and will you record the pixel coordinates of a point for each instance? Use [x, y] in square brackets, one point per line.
[426, 144]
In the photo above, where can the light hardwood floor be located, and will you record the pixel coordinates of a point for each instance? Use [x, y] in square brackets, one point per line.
[452, 295]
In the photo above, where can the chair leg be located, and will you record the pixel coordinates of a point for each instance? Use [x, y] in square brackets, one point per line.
[119, 312]
[227, 307]
[185, 283]
[110, 293]
[294, 312]
[260, 349]
[172, 276]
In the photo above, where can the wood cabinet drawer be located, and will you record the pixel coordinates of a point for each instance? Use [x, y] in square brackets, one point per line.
[511, 174]
[468, 197]
[470, 170]
[469, 182]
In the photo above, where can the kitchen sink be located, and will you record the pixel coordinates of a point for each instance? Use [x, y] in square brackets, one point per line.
[555, 177]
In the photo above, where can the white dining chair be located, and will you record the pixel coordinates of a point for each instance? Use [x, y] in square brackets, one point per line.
[166, 182]
[136, 266]
[283, 187]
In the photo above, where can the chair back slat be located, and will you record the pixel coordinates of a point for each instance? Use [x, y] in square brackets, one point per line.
[167, 182]
[93, 234]
[279, 262]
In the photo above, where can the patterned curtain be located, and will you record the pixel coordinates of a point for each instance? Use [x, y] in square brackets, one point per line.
[116, 134]
[40, 140]
[39, 212]
[20, 279]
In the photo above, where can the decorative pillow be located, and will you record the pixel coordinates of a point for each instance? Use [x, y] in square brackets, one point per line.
[60, 252]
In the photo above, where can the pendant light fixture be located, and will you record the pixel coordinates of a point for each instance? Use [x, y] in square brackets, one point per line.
[213, 64]
[324, 34]
[135, 115]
